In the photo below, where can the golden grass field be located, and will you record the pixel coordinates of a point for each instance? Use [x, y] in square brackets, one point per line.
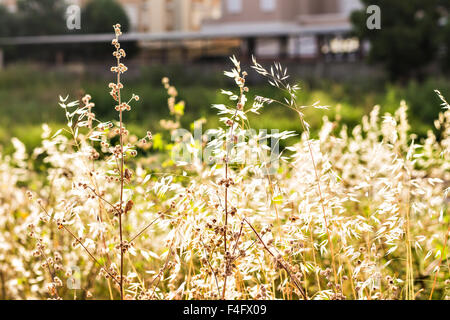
[353, 214]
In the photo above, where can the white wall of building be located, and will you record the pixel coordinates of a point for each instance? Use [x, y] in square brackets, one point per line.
[132, 11]
[347, 6]
[157, 15]
[234, 6]
[267, 5]
[182, 15]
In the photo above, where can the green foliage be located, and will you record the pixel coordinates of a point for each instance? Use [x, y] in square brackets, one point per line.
[98, 16]
[41, 17]
[410, 35]
[7, 22]
[445, 59]
[421, 98]
[30, 94]
[35, 18]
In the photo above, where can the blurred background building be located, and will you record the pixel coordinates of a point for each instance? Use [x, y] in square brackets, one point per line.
[9, 4]
[289, 28]
[210, 29]
[305, 29]
[168, 15]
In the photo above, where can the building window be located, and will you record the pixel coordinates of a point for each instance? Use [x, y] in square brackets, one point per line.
[307, 47]
[267, 5]
[234, 6]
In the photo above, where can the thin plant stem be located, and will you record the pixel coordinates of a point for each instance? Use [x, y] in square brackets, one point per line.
[279, 260]
[440, 262]
[81, 244]
[322, 205]
[225, 229]
[121, 132]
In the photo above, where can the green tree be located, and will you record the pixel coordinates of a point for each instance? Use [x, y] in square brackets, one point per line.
[41, 17]
[98, 16]
[445, 59]
[7, 22]
[410, 36]
[8, 27]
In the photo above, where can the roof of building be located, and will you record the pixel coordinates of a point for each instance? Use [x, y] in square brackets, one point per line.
[232, 31]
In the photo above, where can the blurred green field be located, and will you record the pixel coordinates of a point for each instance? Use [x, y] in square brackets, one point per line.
[29, 97]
